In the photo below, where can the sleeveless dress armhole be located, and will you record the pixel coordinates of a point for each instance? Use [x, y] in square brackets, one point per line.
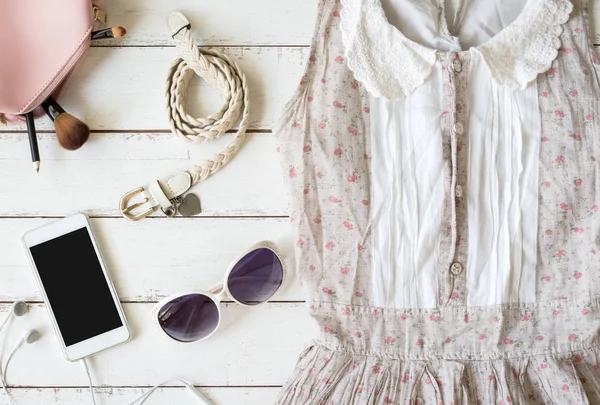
[591, 26]
[291, 127]
[292, 108]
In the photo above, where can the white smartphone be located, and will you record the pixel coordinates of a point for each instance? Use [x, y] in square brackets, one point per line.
[83, 305]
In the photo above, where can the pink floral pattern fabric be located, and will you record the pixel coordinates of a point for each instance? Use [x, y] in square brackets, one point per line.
[543, 352]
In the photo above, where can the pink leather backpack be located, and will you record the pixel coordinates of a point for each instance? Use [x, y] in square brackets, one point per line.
[41, 41]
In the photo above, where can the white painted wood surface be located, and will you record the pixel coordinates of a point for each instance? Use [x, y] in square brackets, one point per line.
[254, 347]
[222, 23]
[111, 164]
[122, 88]
[165, 396]
[118, 91]
[192, 253]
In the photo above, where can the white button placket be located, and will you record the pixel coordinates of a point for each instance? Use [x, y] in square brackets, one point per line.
[454, 104]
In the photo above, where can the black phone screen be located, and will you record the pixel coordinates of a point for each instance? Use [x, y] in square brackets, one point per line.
[76, 286]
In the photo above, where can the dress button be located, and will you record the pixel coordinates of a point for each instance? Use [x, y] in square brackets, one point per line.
[459, 128]
[458, 191]
[456, 269]
[457, 66]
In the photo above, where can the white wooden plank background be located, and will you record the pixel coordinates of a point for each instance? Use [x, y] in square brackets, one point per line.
[122, 88]
[191, 254]
[118, 91]
[255, 347]
[218, 395]
[222, 23]
[111, 164]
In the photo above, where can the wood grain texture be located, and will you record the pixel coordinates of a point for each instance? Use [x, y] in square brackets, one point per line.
[111, 164]
[124, 396]
[123, 88]
[154, 258]
[118, 89]
[254, 347]
[225, 22]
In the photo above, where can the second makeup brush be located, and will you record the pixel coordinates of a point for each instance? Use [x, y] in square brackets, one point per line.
[114, 32]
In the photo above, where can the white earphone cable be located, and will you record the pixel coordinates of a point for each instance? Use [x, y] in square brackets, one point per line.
[201, 398]
[5, 370]
[8, 394]
[10, 356]
[146, 394]
[3, 373]
[5, 322]
[84, 364]
[150, 391]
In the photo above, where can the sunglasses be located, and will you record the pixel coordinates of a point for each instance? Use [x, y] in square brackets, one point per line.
[252, 279]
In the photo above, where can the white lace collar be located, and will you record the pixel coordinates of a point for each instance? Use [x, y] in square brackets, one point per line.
[392, 66]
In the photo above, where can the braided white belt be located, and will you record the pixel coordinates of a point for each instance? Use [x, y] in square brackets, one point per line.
[218, 70]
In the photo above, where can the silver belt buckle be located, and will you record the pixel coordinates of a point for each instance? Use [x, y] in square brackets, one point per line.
[126, 209]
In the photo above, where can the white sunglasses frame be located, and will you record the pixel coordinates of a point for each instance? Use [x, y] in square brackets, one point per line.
[220, 292]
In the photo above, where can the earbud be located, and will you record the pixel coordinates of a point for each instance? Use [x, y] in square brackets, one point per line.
[28, 337]
[31, 336]
[19, 308]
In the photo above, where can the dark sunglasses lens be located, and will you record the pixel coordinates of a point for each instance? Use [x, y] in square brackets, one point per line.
[189, 318]
[256, 277]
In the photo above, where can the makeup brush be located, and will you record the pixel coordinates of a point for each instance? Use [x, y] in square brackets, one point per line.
[71, 132]
[33, 145]
[114, 32]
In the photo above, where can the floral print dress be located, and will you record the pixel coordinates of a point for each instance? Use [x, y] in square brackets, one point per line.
[470, 342]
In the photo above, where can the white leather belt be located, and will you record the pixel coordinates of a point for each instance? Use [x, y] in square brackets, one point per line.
[158, 194]
[220, 71]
